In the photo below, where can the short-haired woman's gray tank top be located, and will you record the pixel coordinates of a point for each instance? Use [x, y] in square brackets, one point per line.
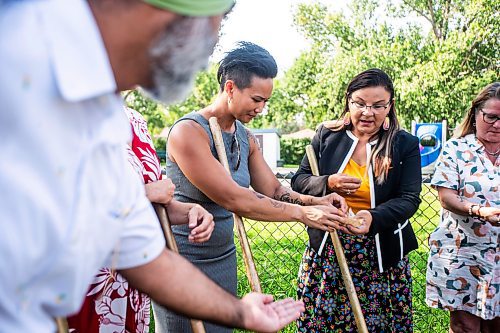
[216, 257]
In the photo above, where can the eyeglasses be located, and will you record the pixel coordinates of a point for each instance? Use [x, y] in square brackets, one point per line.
[490, 118]
[236, 143]
[376, 108]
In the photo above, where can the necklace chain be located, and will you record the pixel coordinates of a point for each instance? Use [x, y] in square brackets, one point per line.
[495, 153]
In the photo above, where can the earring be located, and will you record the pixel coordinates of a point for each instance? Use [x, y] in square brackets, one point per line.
[347, 119]
[387, 123]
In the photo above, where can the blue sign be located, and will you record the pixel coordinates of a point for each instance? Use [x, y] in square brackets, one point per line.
[430, 138]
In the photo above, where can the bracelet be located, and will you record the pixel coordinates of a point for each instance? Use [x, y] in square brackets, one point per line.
[471, 213]
[470, 210]
[479, 212]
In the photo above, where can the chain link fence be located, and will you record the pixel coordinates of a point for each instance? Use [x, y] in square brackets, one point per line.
[277, 249]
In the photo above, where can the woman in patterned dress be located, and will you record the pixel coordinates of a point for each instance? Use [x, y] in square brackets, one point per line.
[463, 271]
[111, 304]
[376, 167]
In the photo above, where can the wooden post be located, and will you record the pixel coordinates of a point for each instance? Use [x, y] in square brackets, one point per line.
[250, 268]
[62, 325]
[161, 212]
[339, 252]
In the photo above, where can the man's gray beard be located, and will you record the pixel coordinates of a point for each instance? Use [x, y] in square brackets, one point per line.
[178, 56]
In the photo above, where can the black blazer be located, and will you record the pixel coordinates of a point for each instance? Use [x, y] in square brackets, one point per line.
[396, 200]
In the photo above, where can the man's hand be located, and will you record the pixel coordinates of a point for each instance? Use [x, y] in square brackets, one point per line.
[201, 223]
[161, 191]
[192, 294]
[332, 199]
[262, 314]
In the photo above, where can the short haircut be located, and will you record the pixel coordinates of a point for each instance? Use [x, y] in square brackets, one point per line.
[243, 63]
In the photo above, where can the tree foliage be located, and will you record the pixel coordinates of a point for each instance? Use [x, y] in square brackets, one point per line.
[293, 150]
[160, 116]
[204, 91]
[436, 73]
[150, 110]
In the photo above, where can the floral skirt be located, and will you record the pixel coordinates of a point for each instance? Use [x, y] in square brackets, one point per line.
[385, 298]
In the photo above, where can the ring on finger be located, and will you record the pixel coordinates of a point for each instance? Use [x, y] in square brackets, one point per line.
[348, 192]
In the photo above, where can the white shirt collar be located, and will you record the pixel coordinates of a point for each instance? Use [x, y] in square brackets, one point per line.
[355, 138]
[81, 63]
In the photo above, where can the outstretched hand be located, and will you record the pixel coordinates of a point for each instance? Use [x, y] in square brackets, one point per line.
[262, 314]
[364, 228]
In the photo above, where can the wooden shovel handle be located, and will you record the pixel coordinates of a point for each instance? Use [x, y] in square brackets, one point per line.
[250, 268]
[339, 252]
[161, 212]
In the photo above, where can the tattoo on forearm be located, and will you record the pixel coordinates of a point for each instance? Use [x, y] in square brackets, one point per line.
[287, 197]
[460, 198]
[277, 204]
[274, 203]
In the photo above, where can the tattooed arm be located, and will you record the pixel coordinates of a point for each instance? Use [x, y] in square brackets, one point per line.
[287, 195]
[264, 181]
[189, 143]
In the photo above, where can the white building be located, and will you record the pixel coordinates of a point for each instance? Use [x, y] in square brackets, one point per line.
[269, 141]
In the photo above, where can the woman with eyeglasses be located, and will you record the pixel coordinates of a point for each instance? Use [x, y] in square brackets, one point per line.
[375, 165]
[463, 271]
[245, 77]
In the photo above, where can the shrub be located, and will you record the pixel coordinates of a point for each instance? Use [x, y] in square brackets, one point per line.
[292, 150]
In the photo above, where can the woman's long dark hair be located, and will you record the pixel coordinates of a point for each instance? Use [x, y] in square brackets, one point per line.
[381, 155]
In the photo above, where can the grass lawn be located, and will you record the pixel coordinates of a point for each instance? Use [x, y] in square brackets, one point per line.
[278, 247]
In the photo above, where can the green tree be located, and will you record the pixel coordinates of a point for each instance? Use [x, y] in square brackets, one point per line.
[203, 93]
[153, 112]
[160, 116]
[436, 75]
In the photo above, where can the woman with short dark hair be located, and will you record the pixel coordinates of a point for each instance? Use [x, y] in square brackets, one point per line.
[245, 78]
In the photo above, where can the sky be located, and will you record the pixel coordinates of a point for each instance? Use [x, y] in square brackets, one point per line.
[269, 23]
